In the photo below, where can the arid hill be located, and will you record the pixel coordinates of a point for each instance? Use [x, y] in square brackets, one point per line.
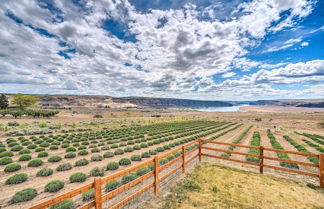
[124, 102]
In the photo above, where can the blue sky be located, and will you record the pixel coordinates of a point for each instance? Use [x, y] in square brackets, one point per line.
[194, 49]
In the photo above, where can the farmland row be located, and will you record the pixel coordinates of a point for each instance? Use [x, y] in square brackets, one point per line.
[116, 150]
[95, 145]
[190, 138]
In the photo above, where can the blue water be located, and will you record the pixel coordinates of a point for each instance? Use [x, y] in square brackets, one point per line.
[222, 109]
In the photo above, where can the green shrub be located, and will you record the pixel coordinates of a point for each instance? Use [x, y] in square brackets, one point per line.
[42, 154]
[128, 178]
[70, 149]
[2, 149]
[24, 195]
[142, 171]
[144, 145]
[44, 144]
[12, 167]
[96, 171]
[95, 150]
[6, 154]
[136, 158]
[54, 186]
[163, 161]
[17, 178]
[25, 157]
[160, 149]
[114, 146]
[96, 158]
[152, 152]
[128, 149]
[45, 172]
[66, 204]
[54, 158]
[64, 167]
[24, 151]
[83, 152]
[5, 160]
[105, 148]
[32, 146]
[82, 162]
[145, 155]
[88, 195]
[108, 154]
[112, 185]
[53, 147]
[125, 161]
[78, 177]
[70, 155]
[35, 163]
[119, 152]
[16, 148]
[136, 147]
[112, 166]
[65, 145]
[39, 149]
[170, 157]
[82, 147]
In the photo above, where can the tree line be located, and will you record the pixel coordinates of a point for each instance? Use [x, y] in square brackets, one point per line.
[22, 103]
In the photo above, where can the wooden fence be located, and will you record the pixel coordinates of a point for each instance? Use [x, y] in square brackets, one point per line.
[99, 198]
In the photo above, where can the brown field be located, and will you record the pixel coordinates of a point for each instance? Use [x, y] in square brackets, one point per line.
[214, 186]
[279, 122]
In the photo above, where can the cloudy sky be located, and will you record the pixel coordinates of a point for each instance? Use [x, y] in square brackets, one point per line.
[195, 49]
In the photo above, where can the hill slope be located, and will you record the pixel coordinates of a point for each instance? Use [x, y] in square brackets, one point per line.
[212, 186]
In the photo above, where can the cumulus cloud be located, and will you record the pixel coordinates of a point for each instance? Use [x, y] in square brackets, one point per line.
[228, 75]
[67, 48]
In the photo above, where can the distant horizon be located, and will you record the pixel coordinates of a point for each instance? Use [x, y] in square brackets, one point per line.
[159, 97]
[202, 50]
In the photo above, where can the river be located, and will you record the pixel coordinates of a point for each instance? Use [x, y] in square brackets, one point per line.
[222, 109]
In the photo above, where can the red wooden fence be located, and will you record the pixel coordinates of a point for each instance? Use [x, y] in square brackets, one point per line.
[99, 199]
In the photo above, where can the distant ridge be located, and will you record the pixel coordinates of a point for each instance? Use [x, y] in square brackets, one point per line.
[61, 101]
[171, 103]
[315, 103]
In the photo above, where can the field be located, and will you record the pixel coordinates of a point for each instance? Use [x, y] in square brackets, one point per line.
[84, 145]
[217, 187]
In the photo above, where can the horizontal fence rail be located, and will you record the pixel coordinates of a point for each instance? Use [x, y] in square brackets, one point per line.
[200, 145]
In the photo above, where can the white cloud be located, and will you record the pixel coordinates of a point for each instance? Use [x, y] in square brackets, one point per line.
[304, 43]
[228, 75]
[287, 44]
[270, 66]
[170, 57]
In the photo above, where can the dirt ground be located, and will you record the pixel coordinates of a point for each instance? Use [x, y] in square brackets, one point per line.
[283, 122]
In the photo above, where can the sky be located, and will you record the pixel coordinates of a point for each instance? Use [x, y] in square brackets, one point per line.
[191, 49]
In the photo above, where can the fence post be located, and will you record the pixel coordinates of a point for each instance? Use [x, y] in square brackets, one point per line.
[183, 160]
[261, 159]
[97, 193]
[199, 149]
[321, 170]
[156, 175]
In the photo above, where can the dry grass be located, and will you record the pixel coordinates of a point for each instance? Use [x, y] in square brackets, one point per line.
[212, 187]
